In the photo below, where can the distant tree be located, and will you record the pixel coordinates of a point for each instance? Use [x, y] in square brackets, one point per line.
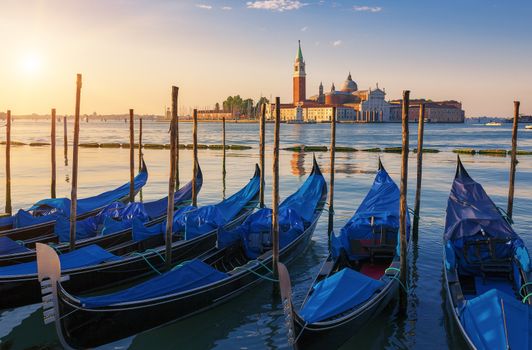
[217, 107]
[247, 106]
[260, 102]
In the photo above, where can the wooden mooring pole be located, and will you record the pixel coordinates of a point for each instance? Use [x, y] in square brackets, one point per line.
[175, 92]
[403, 210]
[131, 156]
[275, 195]
[513, 164]
[74, 193]
[195, 158]
[52, 146]
[417, 202]
[331, 184]
[172, 179]
[9, 208]
[140, 144]
[65, 139]
[223, 157]
[140, 153]
[262, 149]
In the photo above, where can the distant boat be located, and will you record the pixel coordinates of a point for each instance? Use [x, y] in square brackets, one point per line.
[528, 127]
[493, 124]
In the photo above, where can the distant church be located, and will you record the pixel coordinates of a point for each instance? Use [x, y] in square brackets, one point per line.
[351, 104]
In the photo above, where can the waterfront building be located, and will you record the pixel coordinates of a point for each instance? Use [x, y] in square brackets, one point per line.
[354, 105]
[435, 111]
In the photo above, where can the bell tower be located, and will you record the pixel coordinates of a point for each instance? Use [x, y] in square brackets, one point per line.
[299, 77]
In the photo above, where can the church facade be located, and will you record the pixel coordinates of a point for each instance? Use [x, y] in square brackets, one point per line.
[354, 105]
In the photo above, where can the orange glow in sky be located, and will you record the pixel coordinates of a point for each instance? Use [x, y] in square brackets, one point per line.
[131, 53]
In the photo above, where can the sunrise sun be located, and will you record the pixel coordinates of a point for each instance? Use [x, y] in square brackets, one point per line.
[30, 64]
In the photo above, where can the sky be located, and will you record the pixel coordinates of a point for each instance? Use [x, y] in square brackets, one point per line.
[131, 52]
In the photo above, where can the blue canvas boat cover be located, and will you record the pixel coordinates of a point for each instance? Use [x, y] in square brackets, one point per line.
[483, 321]
[295, 213]
[50, 209]
[190, 275]
[6, 221]
[472, 216]
[141, 231]
[338, 293]
[86, 256]
[205, 219]
[470, 210]
[118, 216]
[305, 200]
[255, 231]
[9, 246]
[378, 211]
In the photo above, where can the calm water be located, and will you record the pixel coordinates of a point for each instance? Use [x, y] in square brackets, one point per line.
[255, 320]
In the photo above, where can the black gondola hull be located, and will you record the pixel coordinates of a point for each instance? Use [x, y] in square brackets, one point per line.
[24, 290]
[451, 309]
[82, 328]
[331, 335]
[106, 241]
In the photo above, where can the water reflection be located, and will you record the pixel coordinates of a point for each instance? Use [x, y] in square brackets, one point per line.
[297, 163]
[252, 320]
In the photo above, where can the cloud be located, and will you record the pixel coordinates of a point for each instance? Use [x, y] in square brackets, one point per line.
[276, 5]
[227, 8]
[337, 43]
[203, 6]
[373, 9]
[304, 29]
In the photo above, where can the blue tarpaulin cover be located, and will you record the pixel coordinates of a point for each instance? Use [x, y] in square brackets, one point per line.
[190, 275]
[6, 221]
[141, 231]
[205, 219]
[338, 293]
[483, 321]
[118, 216]
[115, 217]
[9, 246]
[255, 232]
[382, 204]
[295, 213]
[50, 209]
[86, 256]
[472, 216]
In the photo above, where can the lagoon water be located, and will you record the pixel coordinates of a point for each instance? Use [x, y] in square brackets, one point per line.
[255, 320]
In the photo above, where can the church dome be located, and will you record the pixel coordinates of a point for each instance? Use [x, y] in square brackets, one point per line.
[349, 85]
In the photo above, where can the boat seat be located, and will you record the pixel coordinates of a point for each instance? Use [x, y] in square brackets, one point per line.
[356, 247]
[487, 260]
[383, 247]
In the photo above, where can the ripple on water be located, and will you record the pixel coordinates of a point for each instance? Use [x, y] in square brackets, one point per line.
[254, 320]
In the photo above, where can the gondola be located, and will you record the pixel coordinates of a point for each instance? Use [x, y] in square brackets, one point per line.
[486, 269]
[102, 229]
[39, 220]
[357, 280]
[92, 268]
[241, 260]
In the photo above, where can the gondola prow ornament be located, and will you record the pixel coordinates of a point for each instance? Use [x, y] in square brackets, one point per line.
[49, 274]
